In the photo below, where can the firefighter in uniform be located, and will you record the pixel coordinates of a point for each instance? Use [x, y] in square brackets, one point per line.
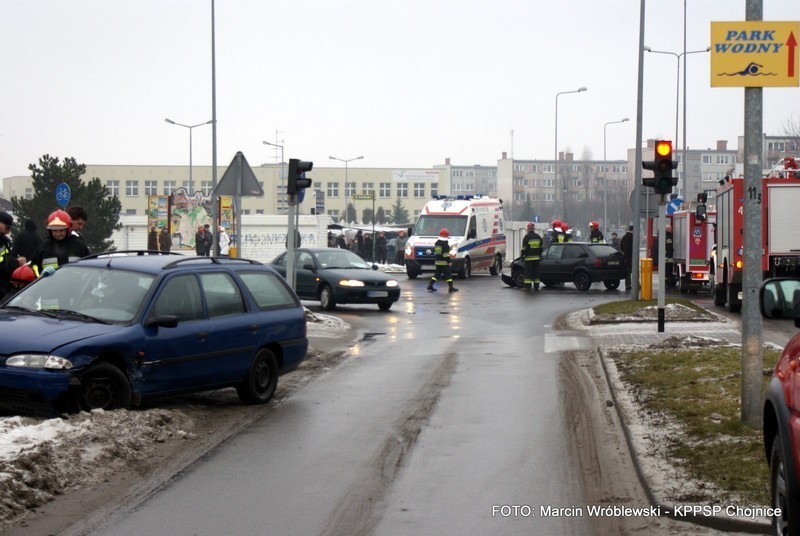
[595, 236]
[531, 254]
[442, 261]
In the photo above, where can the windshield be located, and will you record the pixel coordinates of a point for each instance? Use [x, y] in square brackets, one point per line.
[340, 258]
[107, 295]
[430, 225]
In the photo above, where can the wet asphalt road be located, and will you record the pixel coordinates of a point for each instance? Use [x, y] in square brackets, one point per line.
[445, 417]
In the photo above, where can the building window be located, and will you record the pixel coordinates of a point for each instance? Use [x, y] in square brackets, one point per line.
[130, 212]
[131, 188]
[28, 193]
[334, 214]
[185, 184]
[706, 158]
[169, 187]
[246, 211]
[113, 188]
[368, 188]
[206, 186]
[419, 189]
[259, 211]
[402, 189]
[349, 189]
[150, 187]
[332, 189]
[385, 189]
[434, 189]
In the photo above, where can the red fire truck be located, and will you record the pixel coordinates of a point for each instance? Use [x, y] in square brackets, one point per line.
[692, 241]
[780, 212]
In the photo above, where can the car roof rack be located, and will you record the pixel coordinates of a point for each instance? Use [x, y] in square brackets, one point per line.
[212, 260]
[129, 253]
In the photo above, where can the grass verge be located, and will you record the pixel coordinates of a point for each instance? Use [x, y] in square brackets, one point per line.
[699, 390]
[631, 306]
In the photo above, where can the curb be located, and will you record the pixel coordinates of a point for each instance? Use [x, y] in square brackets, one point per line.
[726, 524]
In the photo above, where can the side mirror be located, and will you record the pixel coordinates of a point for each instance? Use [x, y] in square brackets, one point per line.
[163, 321]
[779, 298]
[309, 267]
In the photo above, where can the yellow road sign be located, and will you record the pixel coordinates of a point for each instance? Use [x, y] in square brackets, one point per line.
[755, 54]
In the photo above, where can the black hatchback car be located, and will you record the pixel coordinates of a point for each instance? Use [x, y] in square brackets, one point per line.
[574, 262]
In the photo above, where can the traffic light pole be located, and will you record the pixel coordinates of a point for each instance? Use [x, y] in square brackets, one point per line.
[662, 251]
[291, 276]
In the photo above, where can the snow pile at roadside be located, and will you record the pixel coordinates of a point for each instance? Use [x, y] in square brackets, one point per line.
[41, 458]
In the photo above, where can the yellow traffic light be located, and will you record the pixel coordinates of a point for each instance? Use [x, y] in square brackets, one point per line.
[664, 148]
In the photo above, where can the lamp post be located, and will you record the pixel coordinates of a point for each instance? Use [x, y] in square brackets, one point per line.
[605, 170]
[190, 127]
[346, 162]
[555, 155]
[282, 206]
[678, 57]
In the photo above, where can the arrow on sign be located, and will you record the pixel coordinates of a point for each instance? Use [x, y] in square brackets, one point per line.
[791, 43]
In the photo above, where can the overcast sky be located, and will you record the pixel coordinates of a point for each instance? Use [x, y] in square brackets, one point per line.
[405, 83]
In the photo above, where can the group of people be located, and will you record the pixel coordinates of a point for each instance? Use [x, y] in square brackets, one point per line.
[28, 256]
[159, 240]
[204, 241]
[386, 251]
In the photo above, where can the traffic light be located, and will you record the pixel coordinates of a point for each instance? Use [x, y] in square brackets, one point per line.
[661, 166]
[297, 175]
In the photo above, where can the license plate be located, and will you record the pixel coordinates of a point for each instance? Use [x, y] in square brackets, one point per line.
[613, 263]
[377, 294]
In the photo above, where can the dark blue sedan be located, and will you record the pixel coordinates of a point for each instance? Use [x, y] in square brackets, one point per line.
[111, 330]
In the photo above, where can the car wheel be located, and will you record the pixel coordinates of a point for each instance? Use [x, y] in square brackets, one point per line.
[683, 284]
[103, 386]
[466, 270]
[384, 305]
[326, 299]
[519, 278]
[734, 305]
[779, 491]
[497, 265]
[611, 284]
[261, 381]
[582, 281]
[720, 294]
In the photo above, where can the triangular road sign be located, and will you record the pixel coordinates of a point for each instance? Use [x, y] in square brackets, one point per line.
[239, 179]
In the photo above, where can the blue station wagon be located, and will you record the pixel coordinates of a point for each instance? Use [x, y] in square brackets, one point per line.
[114, 329]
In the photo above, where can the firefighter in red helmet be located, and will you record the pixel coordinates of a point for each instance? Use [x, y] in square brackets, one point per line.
[60, 247]
[595, 235]
[442, 262]
[531, 254]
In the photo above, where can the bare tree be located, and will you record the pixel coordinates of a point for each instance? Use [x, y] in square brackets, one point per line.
[791, 130]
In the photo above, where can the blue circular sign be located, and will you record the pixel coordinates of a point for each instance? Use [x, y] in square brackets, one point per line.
[63, 194]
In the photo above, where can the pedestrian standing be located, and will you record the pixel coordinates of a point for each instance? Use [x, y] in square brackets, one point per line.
[152, 238]
[531, 255]
[380, 247]
[224, 242]
[626, 246]
[442, 262]
[209, 238]
[164, 240]
[200, 242]
[79, 217]
[400, 247]
[615, 241]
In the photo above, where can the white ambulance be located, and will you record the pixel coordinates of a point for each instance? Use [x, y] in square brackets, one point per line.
[477, 235]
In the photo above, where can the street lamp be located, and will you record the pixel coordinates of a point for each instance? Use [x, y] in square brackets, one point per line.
[283, 188]
[677, 97]
[346, 161]
[605, 168]
[190, 127]
[555, 156]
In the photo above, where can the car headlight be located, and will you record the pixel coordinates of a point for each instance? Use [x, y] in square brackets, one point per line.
[391, 283]
[39, 361]
[351, 283]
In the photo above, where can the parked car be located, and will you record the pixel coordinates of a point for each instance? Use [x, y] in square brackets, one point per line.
[579, 263]
[111, 330]
[780, 298]
[337, 276]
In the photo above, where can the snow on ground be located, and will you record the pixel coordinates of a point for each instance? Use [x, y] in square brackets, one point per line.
[41, 458]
